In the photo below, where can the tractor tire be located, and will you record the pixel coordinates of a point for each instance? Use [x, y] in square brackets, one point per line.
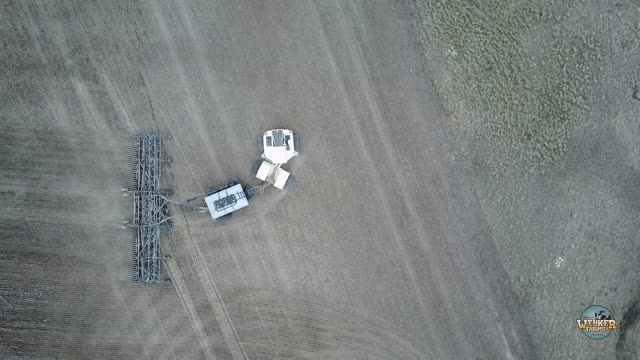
[211, 191]
[297, 146]
[255, 167]
[260, 146]
[224, 218]
[288, 186]
[248, 193]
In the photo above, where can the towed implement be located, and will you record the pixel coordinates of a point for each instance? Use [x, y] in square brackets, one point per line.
[151, 213]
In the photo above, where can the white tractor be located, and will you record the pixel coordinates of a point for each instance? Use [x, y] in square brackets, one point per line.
[276, 148]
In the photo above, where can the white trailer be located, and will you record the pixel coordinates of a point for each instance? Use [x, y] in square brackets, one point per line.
[224, 201]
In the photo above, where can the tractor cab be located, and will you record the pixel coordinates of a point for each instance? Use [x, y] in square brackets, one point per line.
[278, 146]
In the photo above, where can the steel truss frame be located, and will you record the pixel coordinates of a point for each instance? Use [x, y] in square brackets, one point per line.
[150, 210]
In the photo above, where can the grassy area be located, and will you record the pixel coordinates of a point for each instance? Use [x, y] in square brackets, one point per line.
[516, 67]
[541, 100]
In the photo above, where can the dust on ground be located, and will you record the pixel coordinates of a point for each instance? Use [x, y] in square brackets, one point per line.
[543, 104]
[381, 251]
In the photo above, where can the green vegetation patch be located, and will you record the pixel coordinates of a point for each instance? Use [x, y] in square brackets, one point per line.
[517, 70]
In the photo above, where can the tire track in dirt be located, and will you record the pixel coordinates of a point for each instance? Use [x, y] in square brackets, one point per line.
[321, 330]
[362, 75]
[154, 309]
[471, 278]
[187, 303]
[137, 306]
[212, 85]
[89, 109]
[214, 299]
[77, 78]
[59, 112]
[246, 285]
[115, 98]
[171, 130]
[364, 82]
[209, 79]
[357, 134]
[194, 109]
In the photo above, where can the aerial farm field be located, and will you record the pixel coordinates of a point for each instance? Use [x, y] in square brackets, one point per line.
[436, 211]
[543, 105]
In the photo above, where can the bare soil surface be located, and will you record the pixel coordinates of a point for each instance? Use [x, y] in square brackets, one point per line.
[382, 251]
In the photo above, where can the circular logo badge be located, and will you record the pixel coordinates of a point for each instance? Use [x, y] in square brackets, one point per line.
[596, 322]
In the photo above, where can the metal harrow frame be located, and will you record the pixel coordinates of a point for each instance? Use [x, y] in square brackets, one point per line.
[150, 210]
